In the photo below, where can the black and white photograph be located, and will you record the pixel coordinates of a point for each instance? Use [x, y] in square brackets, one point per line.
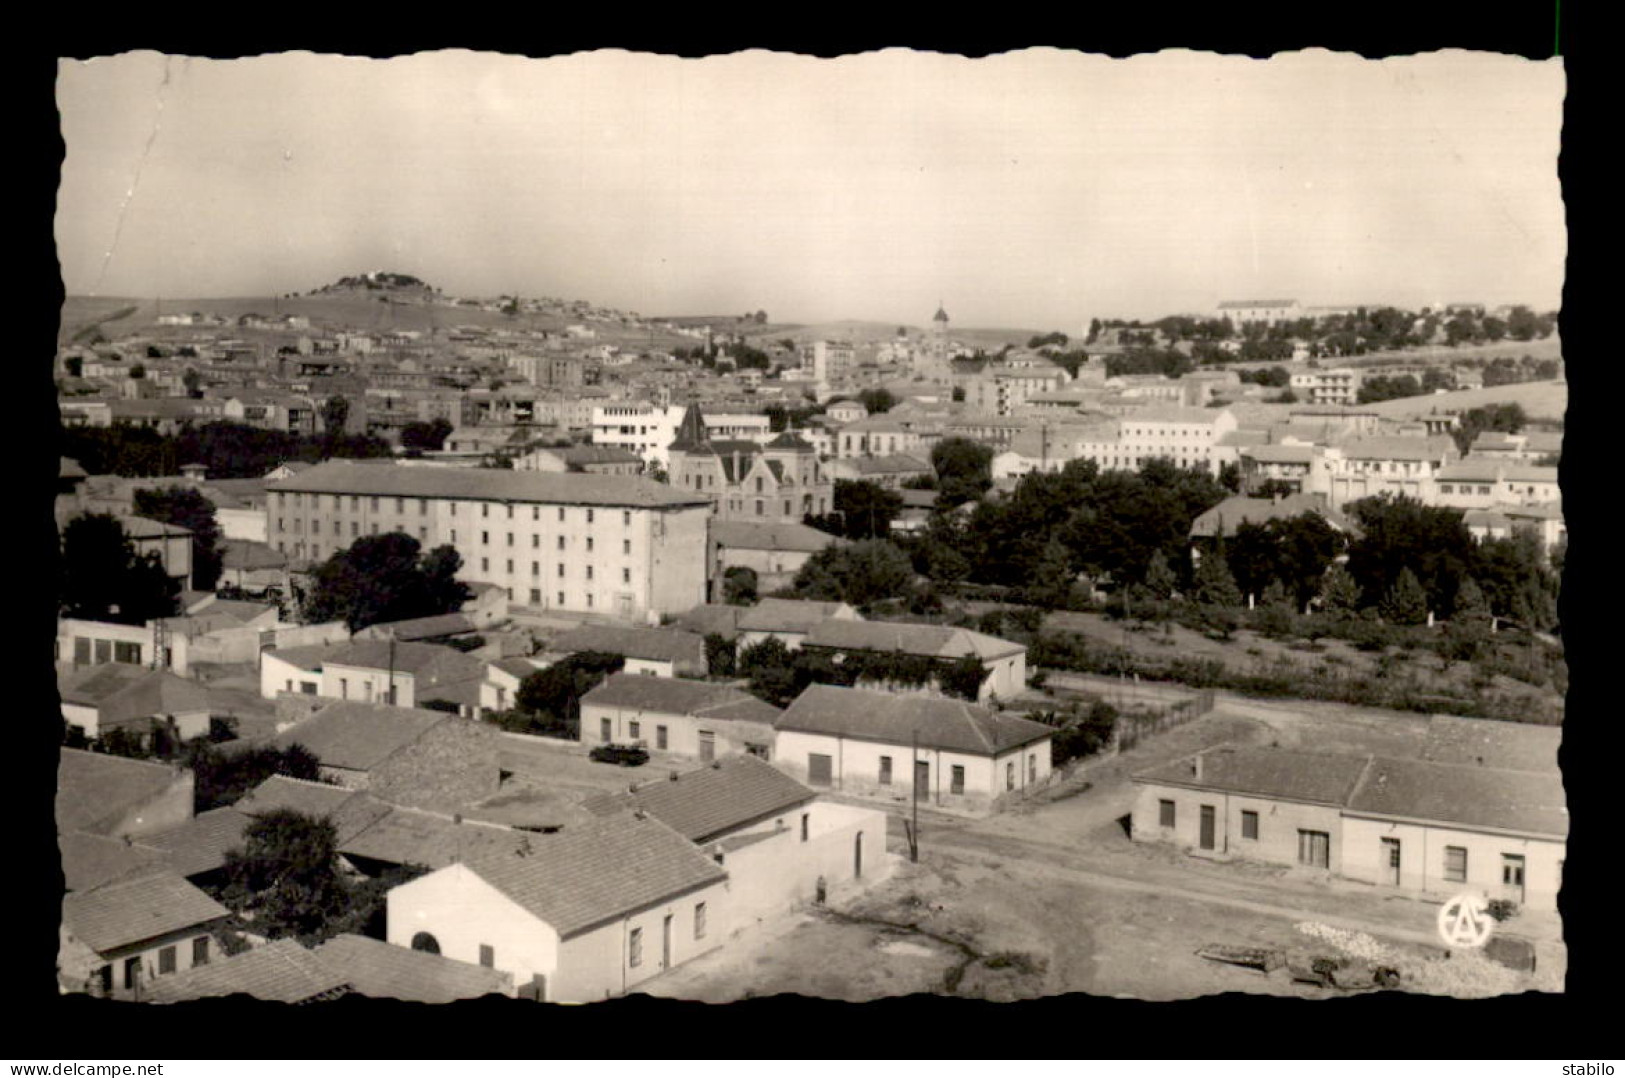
[882, 525]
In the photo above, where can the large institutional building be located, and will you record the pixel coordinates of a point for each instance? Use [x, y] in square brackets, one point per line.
[628, 547]
[779, 482]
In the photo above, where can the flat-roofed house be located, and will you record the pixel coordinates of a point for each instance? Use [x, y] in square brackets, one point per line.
[588, 913]
[1003, 661]
[951, 754]
[698, 719]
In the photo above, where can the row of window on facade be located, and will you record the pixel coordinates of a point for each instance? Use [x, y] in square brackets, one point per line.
[168, 958]
[336, 501]
[820, 772]
[1314, 847]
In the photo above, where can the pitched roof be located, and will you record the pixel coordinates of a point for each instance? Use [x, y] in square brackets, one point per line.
[1315, 777]
[585, 876]
[792, 441]
[487, 484]
[349, 810]
[280, 972]
[1232, 513]
[359, 736]
[710, 618]
[939, 722]
[428, 628]
[409, 836]
[138, 908]
[93, 789]
[787, 615]
[755, 535]
[1514, 745]
[667, 645]
[91, 685]
[161, 692]
[201, 843]
[938, 641]
[91, 860]
[1395, 447]
[1464, 795]
[705, 802]
[383, 971]
[675, 696]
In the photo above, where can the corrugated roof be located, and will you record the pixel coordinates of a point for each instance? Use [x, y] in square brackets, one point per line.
[140, 908]
[1464, 795]
[939, 723]
[487, 484]
[937, 641]
[675, 696]
[383, 971]
[359, 736]
[704, 803]
[279, 972]
[584, 876]
[1314, 777]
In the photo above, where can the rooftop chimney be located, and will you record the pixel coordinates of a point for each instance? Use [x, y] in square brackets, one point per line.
[1196, 765]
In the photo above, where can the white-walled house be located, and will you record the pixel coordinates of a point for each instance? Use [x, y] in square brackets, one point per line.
[698, 719]
[119, 696]
[585, 914]
[948, 753]
[1419, 826]
[1004, 662]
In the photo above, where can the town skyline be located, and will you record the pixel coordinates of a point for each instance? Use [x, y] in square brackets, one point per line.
[865, 188]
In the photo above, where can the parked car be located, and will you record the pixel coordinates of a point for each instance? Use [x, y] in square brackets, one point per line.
[624, 755]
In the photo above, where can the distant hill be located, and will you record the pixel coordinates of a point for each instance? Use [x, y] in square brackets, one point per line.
[378, 282]
[1542, 401]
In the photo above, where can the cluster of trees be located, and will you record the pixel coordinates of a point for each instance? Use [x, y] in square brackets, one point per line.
[1508, 418]
[285, 881]
[1079, 731]
[104, 578]
[1506, 371]
[224, 778]
[779, 675]
[549, 701]
[877, 400]
[227, 450]
[382, 578]
[861, 574]
[781, 418]
[1145, 359]
[964, 470]
[1057, 340]
[186, 507]
[1366, 329]
[1273, 377]
[431, 435]
[860, 510]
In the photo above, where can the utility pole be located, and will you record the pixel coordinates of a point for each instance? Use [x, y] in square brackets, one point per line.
[914, 787]
[389, 692]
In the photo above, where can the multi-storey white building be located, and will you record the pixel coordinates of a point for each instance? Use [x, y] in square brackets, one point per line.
[1402, 466]
[1338, 385]
[1002, 390]
[649, 429]
[617, 545]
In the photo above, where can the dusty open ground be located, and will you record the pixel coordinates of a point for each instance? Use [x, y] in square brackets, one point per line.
[1055, 898]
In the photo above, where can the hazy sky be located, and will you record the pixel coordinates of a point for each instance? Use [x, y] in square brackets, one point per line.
[1033, 189]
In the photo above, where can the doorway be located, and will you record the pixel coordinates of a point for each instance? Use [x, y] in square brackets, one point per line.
[922, 779]
[857, 857]
[665, 942]
[1390, 861]
[1208, 827]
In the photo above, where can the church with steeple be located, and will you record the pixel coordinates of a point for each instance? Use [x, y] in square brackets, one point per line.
[932, 363]
[776, 483]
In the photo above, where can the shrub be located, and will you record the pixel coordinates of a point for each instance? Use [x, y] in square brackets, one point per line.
[1502, 909]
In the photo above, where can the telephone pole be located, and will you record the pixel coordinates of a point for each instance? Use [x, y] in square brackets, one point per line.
[914, 786]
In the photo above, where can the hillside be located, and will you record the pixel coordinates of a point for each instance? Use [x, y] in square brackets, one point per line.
[1542, 401]
[358, 310]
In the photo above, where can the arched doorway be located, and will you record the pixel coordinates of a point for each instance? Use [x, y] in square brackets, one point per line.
[425, 943]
